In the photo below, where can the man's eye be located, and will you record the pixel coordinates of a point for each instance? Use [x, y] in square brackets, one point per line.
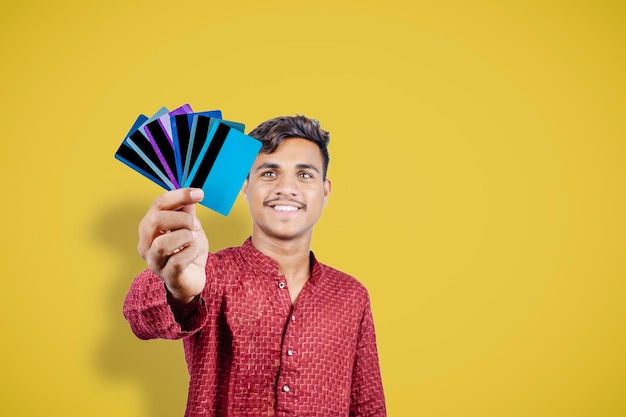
[269, 174]
[305, 175]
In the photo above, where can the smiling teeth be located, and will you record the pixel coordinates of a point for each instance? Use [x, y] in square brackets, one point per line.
[285, 208]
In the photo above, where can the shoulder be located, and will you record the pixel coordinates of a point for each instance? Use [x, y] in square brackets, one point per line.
[226, 259]
[227, 253]
[224, 269]
[343, 283]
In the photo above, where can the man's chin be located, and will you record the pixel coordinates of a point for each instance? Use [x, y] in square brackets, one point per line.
[286, 235]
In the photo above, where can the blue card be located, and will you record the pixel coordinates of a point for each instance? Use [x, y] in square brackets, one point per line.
[136, 153]
[200, 128]
[159, 133]
[181, 136]
[141, 145]
[128, 155]
[222, 166]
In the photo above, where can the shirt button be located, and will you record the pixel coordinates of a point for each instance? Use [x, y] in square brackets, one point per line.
[281, 285]
[290, 352]
[286, 388]
[293, 318]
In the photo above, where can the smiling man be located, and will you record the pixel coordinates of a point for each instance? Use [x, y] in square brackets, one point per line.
[268, 330]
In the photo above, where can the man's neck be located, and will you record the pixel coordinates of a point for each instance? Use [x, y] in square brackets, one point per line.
[293, 256]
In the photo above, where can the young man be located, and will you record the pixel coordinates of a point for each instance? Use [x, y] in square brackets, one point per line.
[267, 329]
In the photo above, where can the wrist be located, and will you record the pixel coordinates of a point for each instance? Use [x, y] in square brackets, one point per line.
[176, 299]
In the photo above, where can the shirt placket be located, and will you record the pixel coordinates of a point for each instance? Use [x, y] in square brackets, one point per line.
[288, 377]
[285, 388]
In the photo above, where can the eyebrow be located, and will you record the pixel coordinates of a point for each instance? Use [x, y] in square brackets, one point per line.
[271, 165]
[307, 166]
[266, 166]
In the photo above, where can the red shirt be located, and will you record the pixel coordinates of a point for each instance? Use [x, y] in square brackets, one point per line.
[250, 352]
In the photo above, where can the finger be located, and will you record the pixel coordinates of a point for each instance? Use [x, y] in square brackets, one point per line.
[176, 199]
[197, 226]
[156, 222]
[180, 261]
[163, 221]
[189, 209]
[168, 244]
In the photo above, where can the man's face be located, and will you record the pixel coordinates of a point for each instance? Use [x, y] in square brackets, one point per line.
[286, 191]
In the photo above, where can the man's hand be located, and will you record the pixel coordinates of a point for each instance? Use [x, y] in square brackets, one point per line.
[173, 244]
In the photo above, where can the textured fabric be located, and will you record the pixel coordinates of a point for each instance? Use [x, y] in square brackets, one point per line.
[250, 352]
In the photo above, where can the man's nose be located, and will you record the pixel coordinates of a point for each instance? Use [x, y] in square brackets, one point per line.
[286, 185]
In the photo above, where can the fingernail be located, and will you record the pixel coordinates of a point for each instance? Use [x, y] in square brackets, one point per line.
[197, 194]
[196, 223]
[194, 234]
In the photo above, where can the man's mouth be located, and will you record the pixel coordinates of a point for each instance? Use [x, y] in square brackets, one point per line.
[285, 208]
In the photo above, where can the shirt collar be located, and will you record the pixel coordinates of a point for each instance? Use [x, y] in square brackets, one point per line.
[269, 266]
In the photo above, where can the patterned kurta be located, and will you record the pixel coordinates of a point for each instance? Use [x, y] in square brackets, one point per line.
[251, 352]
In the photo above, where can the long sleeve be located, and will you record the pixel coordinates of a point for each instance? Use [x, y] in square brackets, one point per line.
[151, 317]
[367, 397]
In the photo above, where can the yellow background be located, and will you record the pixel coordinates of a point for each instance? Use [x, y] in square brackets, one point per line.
[478, 154]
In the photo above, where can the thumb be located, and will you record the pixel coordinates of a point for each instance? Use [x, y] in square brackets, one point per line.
[196, 195]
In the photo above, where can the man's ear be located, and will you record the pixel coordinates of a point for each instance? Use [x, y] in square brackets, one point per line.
[244, 189]
[327, 190]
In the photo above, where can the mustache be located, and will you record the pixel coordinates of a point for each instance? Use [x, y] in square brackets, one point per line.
[284, 200]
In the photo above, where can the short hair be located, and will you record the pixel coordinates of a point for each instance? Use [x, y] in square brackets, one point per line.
[272, 132]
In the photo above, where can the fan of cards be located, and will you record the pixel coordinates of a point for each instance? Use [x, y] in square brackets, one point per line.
[181, 148]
